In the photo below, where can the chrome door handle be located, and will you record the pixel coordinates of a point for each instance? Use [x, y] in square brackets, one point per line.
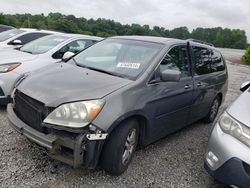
[199, 84]
[187, 87]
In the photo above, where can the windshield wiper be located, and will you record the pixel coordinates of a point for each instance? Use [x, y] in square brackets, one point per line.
[26, 51]
[75, 61]
[99, 70]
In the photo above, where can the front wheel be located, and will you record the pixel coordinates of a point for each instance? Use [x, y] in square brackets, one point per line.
[120, 147]
[213, 111]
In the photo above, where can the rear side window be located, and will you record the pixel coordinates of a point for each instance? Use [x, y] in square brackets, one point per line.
[217, 62]
[202, 60]
[176, 59]
[26, 38]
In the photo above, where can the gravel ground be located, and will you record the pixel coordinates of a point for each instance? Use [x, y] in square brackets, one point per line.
[176, 161]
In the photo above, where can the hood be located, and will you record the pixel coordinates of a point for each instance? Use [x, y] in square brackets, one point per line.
[9, 47]
[240, 109]
[13, 56]
[61, 83]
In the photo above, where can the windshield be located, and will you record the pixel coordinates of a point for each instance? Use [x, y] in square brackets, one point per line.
[8, 34]
[125, 58]
[43, 44]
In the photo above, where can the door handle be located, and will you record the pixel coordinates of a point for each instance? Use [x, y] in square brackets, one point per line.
[199, 84]
[187, 86]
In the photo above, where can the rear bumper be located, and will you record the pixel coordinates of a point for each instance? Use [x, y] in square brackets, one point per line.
[73, 149]
[234, 173]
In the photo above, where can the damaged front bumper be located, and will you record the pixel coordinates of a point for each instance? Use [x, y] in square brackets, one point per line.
[81, 149]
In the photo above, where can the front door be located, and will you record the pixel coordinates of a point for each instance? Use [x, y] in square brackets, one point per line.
[171, 101]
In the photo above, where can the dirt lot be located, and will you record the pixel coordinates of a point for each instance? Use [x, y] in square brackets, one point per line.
[176, 161]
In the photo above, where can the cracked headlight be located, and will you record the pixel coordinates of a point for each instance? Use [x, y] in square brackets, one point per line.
[75, 115]
[8, 67]
[234, 128]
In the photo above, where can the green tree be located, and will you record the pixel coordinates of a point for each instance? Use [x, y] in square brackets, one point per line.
[246, 56]
[229, 38]
[180, 33]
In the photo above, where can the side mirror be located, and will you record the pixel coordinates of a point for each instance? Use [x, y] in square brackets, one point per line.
[16, 42]
[170, 75]
[67, 55]
[245, 86]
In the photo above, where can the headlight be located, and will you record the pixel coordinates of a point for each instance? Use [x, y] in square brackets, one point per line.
[8, 67]
[75, 115]
[234, 128]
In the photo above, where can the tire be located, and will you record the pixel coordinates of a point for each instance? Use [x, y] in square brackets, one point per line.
[120, 147]
[213, 111]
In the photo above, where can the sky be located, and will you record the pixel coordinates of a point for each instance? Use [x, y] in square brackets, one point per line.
[164, 13]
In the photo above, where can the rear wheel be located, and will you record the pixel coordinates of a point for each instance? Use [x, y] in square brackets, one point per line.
[213, 111]
[120, 147]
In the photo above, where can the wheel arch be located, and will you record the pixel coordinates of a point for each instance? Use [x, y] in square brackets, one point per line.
[221, 97]
[141, 120]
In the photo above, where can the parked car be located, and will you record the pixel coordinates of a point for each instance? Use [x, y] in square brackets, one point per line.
[227, 158]
[117, 95]
[15, 38]
[15, 63]
[5, 27]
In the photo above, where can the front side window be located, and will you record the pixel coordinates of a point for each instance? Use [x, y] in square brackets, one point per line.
[75, 47]
[177, 59]
[44, 44]
[125, 58]
[9, 34]
[202, 60]
[26, 38]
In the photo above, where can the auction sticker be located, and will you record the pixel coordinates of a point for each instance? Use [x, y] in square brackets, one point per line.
[128, 65]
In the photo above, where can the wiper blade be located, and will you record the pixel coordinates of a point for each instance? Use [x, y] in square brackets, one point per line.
[26, 51]
[75, 61]
[98, 70]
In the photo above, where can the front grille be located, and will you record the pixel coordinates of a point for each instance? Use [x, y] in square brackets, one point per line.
[29, 110]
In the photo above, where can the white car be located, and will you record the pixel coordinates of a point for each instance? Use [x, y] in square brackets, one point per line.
[15, 38]
[227, 157]
[5, 28]
[15, 63]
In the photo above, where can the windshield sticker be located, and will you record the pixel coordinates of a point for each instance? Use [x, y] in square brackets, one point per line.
[128, 65]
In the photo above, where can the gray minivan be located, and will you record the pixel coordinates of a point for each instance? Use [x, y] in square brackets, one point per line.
[117, 95]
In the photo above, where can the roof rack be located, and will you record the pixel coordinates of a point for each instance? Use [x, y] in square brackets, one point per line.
[200, 41]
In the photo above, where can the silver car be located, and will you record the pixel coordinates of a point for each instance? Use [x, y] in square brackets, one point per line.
[15, 38]
[228, 154]
[14, 63]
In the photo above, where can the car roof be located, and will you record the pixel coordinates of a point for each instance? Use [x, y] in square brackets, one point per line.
[38, 30]
[72, 35]
[6, 26]
[162, 40]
